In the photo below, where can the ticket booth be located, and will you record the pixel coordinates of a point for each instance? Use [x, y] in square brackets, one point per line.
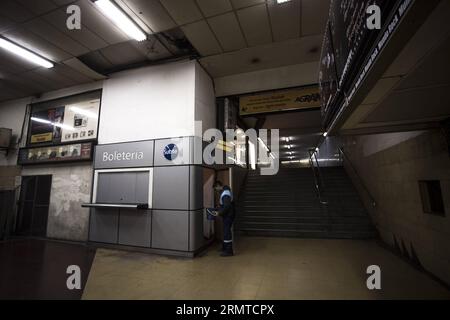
[150, 195]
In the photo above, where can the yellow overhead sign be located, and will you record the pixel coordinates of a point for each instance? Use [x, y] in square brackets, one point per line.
[283, 100]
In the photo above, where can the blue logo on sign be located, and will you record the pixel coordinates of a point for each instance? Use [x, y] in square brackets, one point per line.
[171, 152]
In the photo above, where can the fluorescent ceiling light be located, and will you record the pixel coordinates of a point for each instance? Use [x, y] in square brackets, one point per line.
[121, 20]
[282, 1]
[41, 120]
[25, 54]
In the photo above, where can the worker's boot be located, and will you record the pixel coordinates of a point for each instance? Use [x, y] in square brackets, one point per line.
[228, 250]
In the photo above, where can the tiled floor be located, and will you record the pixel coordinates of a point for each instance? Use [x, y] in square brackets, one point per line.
[264, 268]
[36, 269]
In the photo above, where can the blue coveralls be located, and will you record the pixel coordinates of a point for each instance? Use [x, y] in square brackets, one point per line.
[227, 212]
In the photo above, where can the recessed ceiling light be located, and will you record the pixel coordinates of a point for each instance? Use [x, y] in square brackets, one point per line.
[121, 20]
[25, 53]
[325, 134]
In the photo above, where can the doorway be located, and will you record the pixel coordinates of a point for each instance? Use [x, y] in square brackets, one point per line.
[33, 207]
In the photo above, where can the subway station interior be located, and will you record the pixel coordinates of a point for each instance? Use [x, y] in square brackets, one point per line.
[224, 149]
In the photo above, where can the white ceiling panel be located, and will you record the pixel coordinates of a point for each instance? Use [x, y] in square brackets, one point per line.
[85, 36]
[183, 11]
[214, 7]
[54, 75]
[95, 58]
[275, 55]
[29, 86]
[5, 23]
[62, 2]
[14, 64]
[48, 84]
[72, 74]
[98, 23]
[37, 44]
[255, 24]
[285, 19]
[8, 91]
[245, 3]
[123, 53]
[46, 31]
[227, 31]
[38, 6]
[152, 49]
[14, 11]
[152, 13]
[202, 38]
[83, 69]
[314, 16]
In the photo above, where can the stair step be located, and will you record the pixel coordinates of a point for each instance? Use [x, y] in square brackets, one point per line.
[287, 205]
[306, 234]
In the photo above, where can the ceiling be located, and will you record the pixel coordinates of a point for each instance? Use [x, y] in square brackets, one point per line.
[414, 89]
[227, 36]
[303, 128]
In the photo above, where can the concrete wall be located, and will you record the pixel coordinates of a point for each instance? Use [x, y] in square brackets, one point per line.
[148, 103]
[205, 99]
[391, 166]
[11, 117]
[71, 187]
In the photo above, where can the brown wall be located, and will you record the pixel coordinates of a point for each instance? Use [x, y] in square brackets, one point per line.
[8, 176]
[391, 165]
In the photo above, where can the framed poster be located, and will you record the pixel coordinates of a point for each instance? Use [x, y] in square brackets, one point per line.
[81, 121]
[56, 154]
[46, 125]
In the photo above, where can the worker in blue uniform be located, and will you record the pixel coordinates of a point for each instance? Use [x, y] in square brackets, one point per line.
[227, 212]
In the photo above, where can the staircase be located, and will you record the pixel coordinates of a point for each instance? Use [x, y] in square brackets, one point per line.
[287, 205]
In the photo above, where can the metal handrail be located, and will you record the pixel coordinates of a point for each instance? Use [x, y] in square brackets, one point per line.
[345, 156]
[317, 180]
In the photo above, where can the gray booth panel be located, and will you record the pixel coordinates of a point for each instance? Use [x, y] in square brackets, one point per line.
[170, 230]
[196, 239]
[196, 188]
[171, 188]
[124, 155]
[184, 152]
[104, 224]
[123, 187]
[135, 227]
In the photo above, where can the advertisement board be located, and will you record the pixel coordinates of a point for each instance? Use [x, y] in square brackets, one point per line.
[74, 122]
[56, 154]
[80, 121]
[46, 125]
[281, 100]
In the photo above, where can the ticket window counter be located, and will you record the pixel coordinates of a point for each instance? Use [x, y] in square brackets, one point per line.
[121, 208]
